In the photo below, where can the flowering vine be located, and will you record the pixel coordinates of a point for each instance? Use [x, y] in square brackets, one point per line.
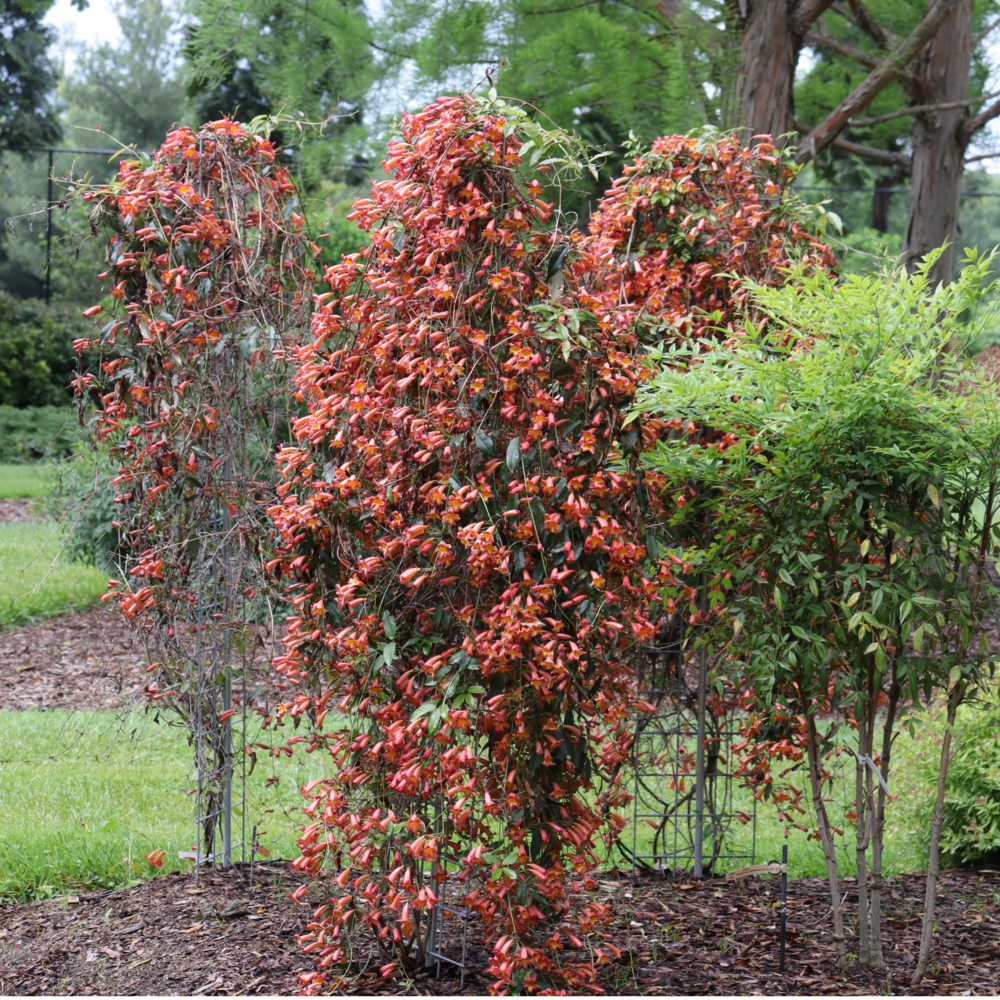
[470, 546]
[207, 266]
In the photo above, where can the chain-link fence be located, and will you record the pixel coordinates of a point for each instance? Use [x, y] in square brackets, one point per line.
[46, 248]
[875, 217]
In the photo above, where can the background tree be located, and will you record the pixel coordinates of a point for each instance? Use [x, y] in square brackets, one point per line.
[132, 90]
[312, 60]
[27, 75]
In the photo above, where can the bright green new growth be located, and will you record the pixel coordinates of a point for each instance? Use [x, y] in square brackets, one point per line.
[839, 504]
[851, 505]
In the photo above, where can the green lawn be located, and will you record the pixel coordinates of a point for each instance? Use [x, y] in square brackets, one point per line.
[36, 580]
[85, 796]
[17, 481]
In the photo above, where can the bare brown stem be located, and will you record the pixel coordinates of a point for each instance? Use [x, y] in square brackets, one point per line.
[826, 836]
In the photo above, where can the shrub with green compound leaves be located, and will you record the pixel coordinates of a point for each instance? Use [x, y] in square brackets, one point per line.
[837, 475]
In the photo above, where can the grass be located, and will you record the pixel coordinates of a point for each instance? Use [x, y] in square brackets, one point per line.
[36, 580]
[84, 797]
[19, 481]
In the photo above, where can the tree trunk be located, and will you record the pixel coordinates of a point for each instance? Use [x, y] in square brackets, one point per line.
[826, 836]
[862, 785]
[773, 34]
[939, 142]
[955, 698]
[888, 728]
[769, 53]
[880, 209]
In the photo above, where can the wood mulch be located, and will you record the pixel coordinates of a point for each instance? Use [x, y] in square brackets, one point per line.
[17, 510]
[82, 662]
[229, 933]
[694, 938]
[234, 933]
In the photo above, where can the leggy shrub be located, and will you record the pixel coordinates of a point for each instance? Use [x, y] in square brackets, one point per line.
[36, 432]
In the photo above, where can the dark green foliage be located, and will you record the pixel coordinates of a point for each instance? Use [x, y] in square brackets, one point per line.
[37, 361]
[84, 500]
[311, 61]
[26, 74]
[37, 432]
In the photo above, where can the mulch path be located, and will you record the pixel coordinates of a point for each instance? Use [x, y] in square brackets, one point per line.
[233, 933]
[17, 510]
[81, 662]
[229, 933]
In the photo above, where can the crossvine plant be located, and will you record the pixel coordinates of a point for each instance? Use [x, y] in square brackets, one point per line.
[208, 271]
[469, 539]
[846, 470]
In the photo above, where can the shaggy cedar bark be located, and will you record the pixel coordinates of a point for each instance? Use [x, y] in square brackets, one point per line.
[773, 34]
[939, 142]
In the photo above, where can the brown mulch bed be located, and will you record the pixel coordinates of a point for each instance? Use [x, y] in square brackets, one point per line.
[17, 510]
[82, 662]
[229, 933]
[233, 933]
[713, 937]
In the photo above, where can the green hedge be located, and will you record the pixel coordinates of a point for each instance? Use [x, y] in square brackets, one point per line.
[37, 361]
[37, 432]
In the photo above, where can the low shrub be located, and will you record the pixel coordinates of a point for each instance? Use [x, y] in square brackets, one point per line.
[971, 831]
[36, 432]
[84, 500]
[37, 361]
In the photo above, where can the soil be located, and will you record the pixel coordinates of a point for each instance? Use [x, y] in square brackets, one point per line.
[233, 933]
[82, 662]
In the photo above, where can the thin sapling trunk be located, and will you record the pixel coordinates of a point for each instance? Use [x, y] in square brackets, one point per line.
[955, 698]
[826, 836]
[878, 830]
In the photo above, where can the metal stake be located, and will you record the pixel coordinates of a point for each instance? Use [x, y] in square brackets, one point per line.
[227, 786]
[699, 777]
[783, 917]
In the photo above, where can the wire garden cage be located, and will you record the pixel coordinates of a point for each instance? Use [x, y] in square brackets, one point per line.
[683, 807]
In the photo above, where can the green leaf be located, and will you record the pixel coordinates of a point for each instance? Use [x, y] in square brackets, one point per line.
[389, 624]
[786, 576]
[485, 443]
[514, 454]
[934, 495]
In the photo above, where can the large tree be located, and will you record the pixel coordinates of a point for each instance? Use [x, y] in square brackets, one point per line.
[927, 111]
[27, 76]
[131, 90]
[312, 60]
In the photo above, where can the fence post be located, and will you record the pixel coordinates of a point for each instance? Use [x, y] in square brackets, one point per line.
[48, 232]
